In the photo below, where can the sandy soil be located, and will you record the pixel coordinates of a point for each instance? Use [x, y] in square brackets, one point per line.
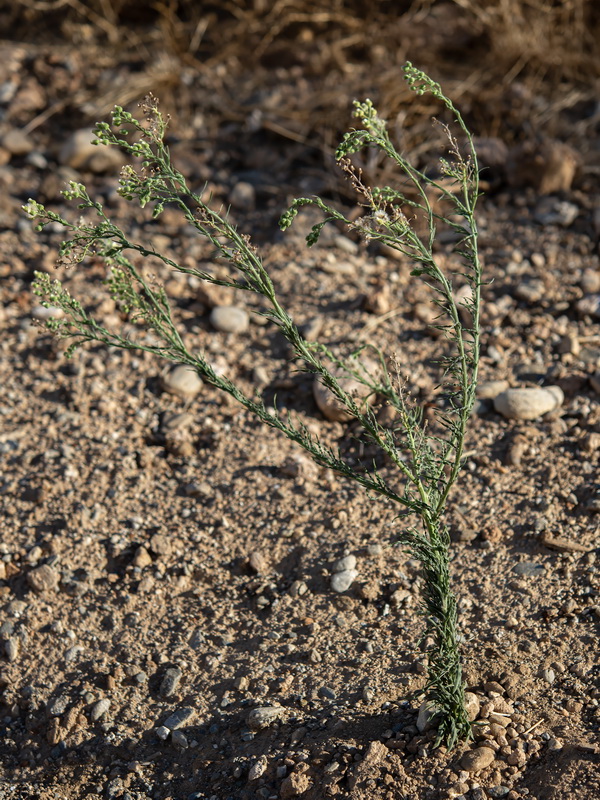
[162, 555]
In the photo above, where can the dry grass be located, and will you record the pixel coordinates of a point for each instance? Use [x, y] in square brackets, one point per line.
[512, 65]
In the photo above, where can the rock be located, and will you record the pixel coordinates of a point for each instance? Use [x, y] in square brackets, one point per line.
[489, 390]
[330, 406]
[528, 403]
[294, 785]
[17, 143]
[79, 153]
[179, 740]
[46, 313]
[229, 319]
[379, 299]
[300, 466]
[477, 759]
[529, 569]
[99, 709]
[11, 648]
[590, 280]
[589, 306]
[243, 196]
[182, 381]
[549, 165]
[162, 732]
[342, 581]
[43, 579]
[179, 718]
[142, 558]
[472, 706]
[263, 717]
[161, 544]
[58, 705]
[342, 564]
[426, 717]
[170, 682]
[327, 692]
[530, 291]
[556, 212]
[258, 769]
[258, 562]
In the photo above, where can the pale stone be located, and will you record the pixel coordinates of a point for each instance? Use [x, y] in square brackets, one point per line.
[477, 759]
[229, 319]
[79, 153]
[182, 381]
[528, 403]
[342, 581]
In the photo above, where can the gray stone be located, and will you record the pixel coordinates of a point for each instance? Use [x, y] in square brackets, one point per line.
[229, 319]
[327, 692]
[243, 196]
[426, 717]
[58, 705]
[179, 739]
[99, 709]
[529, 569]
[264, 716]
[182, 381]
[11, 648]
[179, 718]
[170, 682]
[258, 769]
[343, 564]
[528, 403]
[342, 581]
[162, 732]
[42, 579]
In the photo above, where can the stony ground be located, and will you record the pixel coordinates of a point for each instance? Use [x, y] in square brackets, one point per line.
[171, 625]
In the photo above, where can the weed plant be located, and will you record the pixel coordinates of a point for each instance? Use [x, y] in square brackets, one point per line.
[427, 457]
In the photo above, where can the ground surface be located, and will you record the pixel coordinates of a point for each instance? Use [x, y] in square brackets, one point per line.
[161, 554]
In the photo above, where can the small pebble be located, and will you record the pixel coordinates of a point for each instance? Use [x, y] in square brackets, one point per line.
[528, 403]
[162, 732]
[17, 143]
[99, 709]
[489, 390]
[229, 319]
[343, 564]
[170, 682]
[243, 196]
[182, 381]
[179, 718]
[529, 569]
[327, 693]
[79, 153]
[42, 579]
[263, 717]
[179, 739]
[477, 759]
[258, 769]
[342, 581]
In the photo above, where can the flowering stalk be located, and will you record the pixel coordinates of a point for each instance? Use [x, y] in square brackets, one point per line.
[427, 463]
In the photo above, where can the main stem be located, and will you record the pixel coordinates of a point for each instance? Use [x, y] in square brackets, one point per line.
[445, 689]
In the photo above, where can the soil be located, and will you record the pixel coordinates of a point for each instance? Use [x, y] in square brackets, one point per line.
[162, 555]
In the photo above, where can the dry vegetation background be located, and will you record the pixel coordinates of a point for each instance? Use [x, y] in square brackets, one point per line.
[291, 67]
